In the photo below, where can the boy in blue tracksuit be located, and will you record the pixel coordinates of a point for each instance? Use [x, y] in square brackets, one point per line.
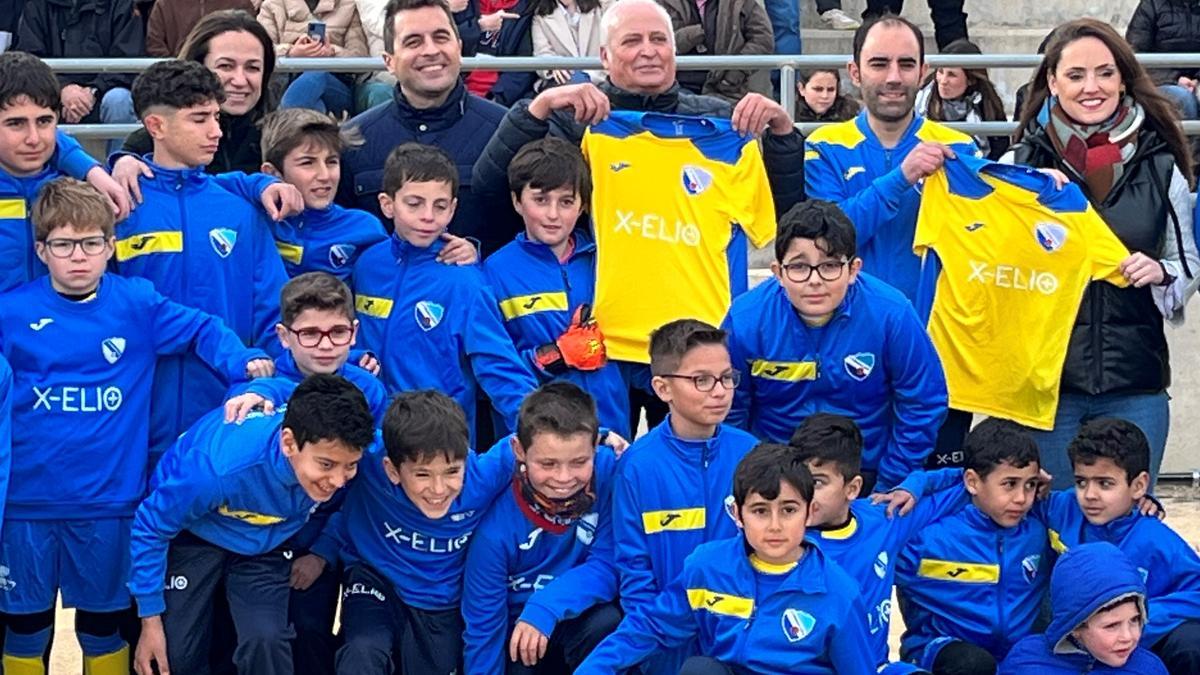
[303, 147]
[673, 484]
[1099, 604]
[545, 281]
[539, 568]
[225, 499]
[402, 533]
[764, 601]
[864, 536]
[317, 330]
[1111, 460]
[433, 325]
[84, 346]
[822, 336]
[29, 100]
[971, 584]
[201, 245]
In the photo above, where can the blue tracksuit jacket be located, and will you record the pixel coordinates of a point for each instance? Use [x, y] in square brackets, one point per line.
[671, 495]
[279, 389]
[379, 526]
[1169, 566]
[82, 390]
[515, 569]
[6, 391]
[873, 362]
[966, 578]
[207, 248]
[537, 296]
[812, 621]
[868, 546]
[326, 240]
[436, 326]
[230, 485]
[846, 163]
[17, 194]
[1084, 580]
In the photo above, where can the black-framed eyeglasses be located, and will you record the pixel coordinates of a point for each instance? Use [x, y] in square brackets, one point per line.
[65, 248]
[705, 382]
[339, 336]
[799, 273]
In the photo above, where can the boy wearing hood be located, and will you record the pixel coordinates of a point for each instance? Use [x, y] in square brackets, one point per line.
[1099, 605]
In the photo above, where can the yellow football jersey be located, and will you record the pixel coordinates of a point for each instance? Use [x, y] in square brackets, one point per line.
[1017, 255]
[672, 196]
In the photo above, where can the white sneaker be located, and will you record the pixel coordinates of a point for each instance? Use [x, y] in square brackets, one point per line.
[839, 20]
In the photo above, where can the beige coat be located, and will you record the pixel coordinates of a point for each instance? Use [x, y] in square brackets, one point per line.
[552, 36]
[287, 21]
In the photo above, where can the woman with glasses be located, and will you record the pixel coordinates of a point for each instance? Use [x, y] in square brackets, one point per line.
[822, 336]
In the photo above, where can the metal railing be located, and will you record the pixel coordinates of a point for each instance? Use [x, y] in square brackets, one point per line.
[786, 64]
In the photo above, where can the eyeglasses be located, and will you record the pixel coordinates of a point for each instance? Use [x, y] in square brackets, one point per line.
[799, 273]
[705, 382]
[339, 336]
[65, 248]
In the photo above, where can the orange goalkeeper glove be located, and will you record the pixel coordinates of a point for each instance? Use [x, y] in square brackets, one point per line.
[581, 346]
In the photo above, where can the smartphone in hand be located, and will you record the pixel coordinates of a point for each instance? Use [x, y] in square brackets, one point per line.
[316, 30]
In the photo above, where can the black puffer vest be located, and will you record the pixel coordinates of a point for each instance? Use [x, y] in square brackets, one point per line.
[1117, 343]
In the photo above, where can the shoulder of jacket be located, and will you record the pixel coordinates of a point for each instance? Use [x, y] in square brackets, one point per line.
[844, 134]
[936, 132]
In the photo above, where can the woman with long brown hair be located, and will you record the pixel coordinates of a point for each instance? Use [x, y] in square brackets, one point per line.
[1095, 118]
[236, 47]
[954, 94]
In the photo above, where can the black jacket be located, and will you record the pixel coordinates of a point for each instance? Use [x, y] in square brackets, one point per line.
[1118, 344]
[461, 126]
[238, 150]
[843, 108]
[1166, 26]
[515, 38]
[783, 156]
[83, 29]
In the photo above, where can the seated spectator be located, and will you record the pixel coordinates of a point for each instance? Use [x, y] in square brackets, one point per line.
[820, 99]
[1169, 26]
[171, 21]
[964, 95]
[237, 48]
[381, 86]
[567, 28]
[290, 23]
[504, 30]
[87, 29]
[719, 28]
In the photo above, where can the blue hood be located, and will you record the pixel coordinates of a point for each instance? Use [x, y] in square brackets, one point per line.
[1085, 579]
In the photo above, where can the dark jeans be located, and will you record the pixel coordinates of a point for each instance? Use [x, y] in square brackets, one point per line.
[1180, 649]
[257, 590]
[572, 641]
[385, 636]
[949, 20]
[705, 665]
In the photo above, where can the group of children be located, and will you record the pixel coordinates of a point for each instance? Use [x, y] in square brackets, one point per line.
[700, 550]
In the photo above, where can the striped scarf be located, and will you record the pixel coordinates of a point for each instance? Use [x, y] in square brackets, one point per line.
[1097, 152]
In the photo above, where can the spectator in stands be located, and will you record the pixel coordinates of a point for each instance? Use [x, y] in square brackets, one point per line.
[964, 95]
[86, 29]
[567, 28]
[1095, 115]
[1169, 26]
[504, 30]
[819, 97]
[429, 105]
[949, 20]
[379, 87]
[719, 28]
[171, 21]
[639, 58]
[288, 23]
[237, 48]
